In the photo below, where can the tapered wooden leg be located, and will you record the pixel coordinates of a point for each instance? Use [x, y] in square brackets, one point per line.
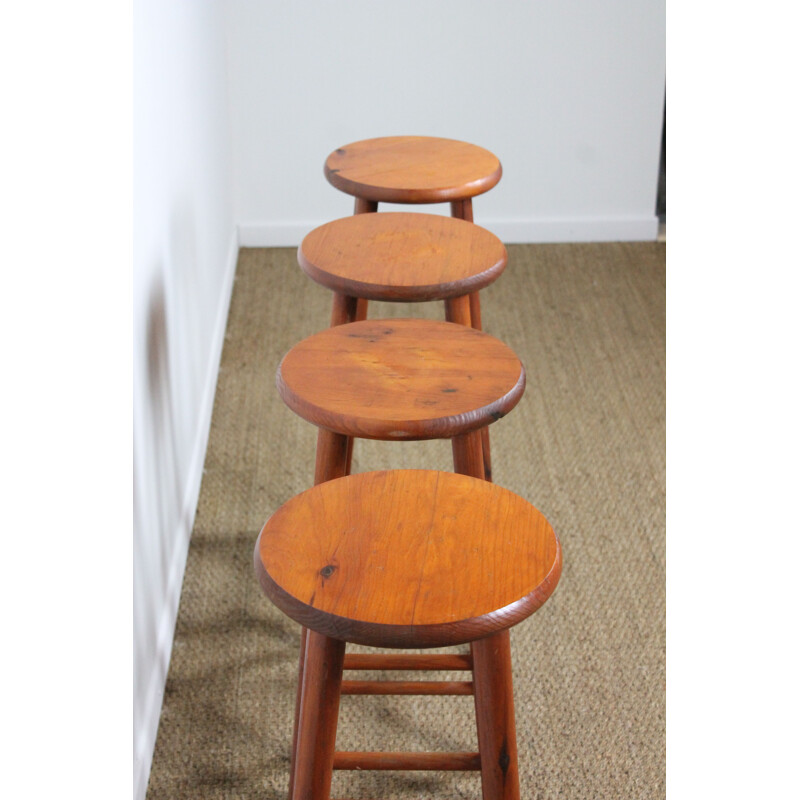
[333, 452]
[494, 710]
[334, 455]
[487, 455]
[456, 309]
[475, 311]
[475, 321]
[331, 456]
[363, 207]
[344, 309]
[468, 454]
[300, 670]
[319, 712]
[362, 307]
[471, 454]
[462, 209]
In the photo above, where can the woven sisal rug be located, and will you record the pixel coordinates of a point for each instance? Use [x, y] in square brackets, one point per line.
[586, 445]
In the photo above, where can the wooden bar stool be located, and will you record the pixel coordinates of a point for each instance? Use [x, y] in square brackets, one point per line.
[407, 559]
[414, 170]
[400, 379]
[403, 257]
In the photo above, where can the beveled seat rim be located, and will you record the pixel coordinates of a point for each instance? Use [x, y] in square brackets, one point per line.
[334, 501]
[445, 427]
[374, 634]
[396, 292]
[399, 429]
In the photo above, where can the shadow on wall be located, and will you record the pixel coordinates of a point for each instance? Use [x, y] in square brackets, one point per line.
[163, 487]
[176, 323]
[157, 508]
[172, 380]
[168, 387]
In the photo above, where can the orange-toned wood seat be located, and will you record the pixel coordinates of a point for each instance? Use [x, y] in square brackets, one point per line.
[414, 170]
[402, 257]
[399, 559]
[400, 379]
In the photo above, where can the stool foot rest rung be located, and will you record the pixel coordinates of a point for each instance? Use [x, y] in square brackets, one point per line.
[407, 687]
[467, 762]
[408, 661]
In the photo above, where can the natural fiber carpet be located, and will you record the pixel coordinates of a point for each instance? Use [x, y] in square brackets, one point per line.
[586, 445]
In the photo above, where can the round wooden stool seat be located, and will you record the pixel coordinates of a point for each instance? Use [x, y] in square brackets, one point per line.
[412, 169]
[403, 257]
[408, 558]
[401, 379]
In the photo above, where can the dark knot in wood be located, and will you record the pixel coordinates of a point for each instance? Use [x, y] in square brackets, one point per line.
[504, 759]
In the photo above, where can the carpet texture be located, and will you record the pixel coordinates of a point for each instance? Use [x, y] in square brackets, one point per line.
[586, 445]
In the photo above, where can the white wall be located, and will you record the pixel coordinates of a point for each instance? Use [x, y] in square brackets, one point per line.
[184, 256]
[569, 95]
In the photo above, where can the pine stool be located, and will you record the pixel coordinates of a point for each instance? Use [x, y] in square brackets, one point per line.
[403, 257]
[407, 559]
[414, 170]
[400, 379]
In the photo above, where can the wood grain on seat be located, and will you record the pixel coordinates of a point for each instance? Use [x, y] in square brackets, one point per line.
[408, 558]
[401, 379]
[402, 256]
[412, 169]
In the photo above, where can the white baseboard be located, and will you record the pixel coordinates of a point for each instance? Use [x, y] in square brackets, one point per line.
[511, 231]
[590, 229]
[145, 737]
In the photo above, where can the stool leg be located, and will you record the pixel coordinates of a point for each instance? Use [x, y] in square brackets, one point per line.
[331, 456]
[462, 209]
[363, 207]
[468, 455]
[494, 711]
[487, 455]
[361, 309]
[346, 309]
[318, 715]
[333, 451]
[475, 310]
[298, 698]
[456, 309]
